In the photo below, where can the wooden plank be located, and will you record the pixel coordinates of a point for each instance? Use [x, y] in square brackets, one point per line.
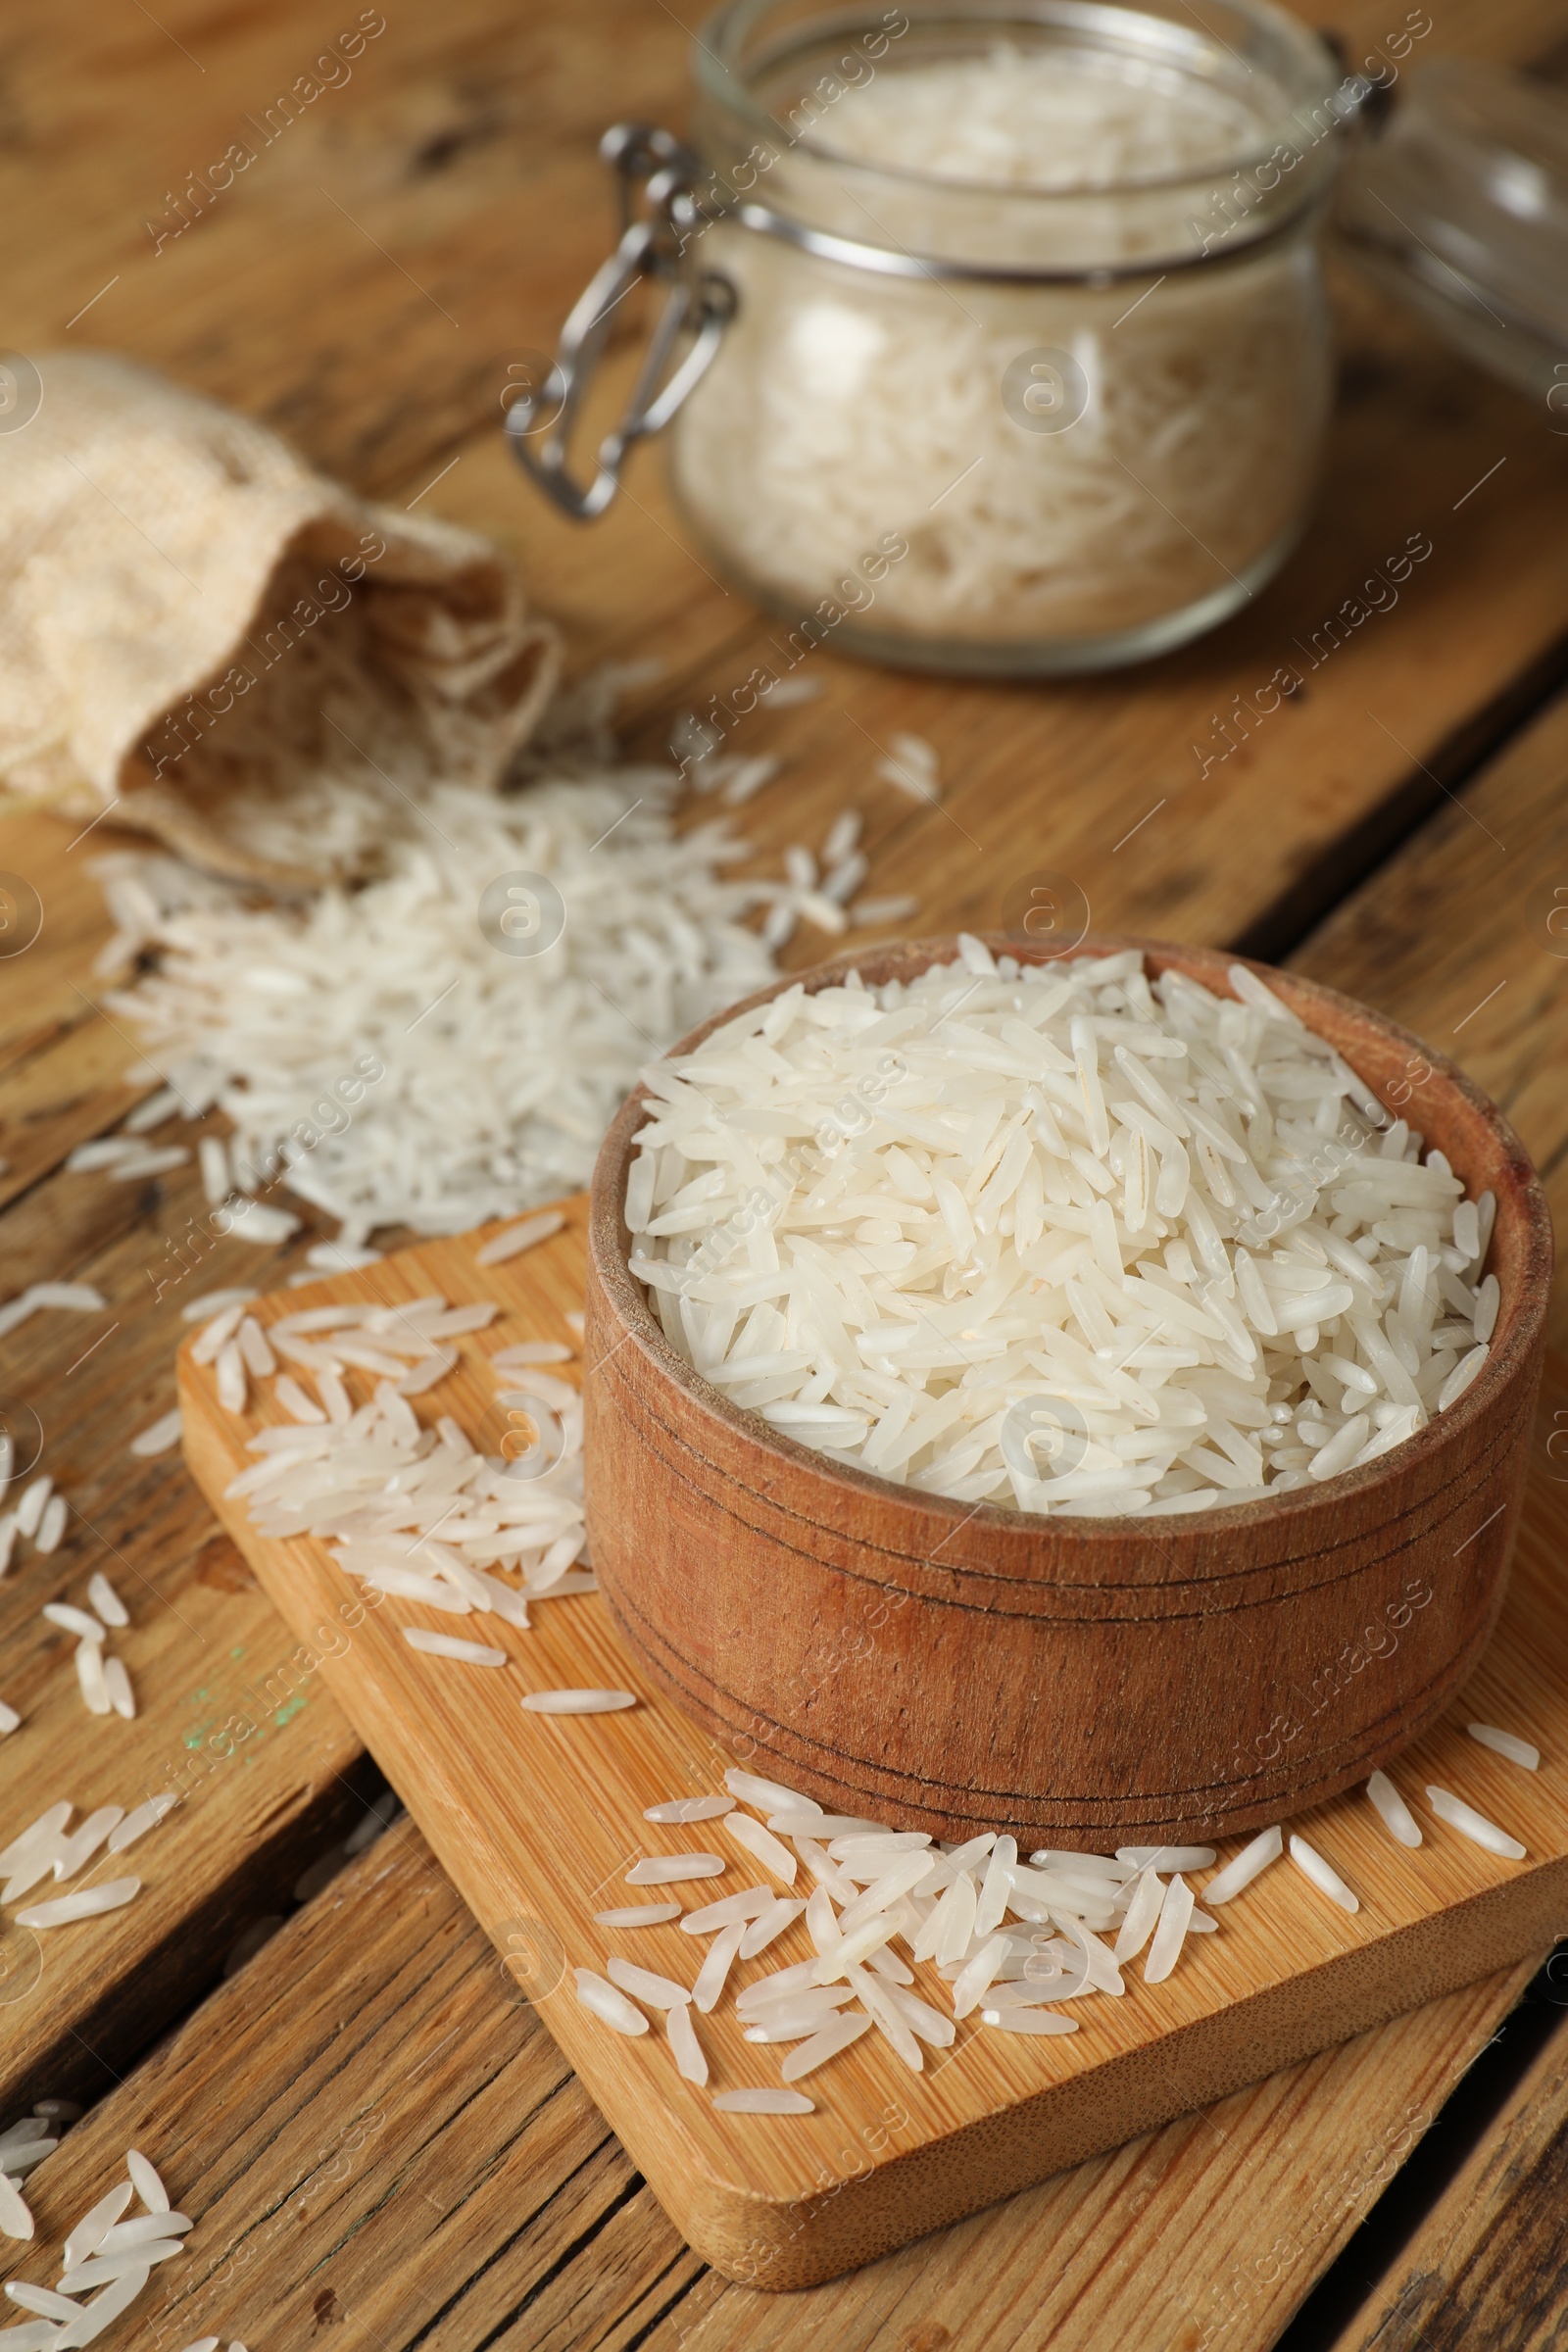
[1206, 2232]
[390, 217]
[201, 1649]
[435, 159]
[536, 1819]
[1411, 923]
[1486, 2265]
[370, 2134]
[365, 376]
[1464, 937]
[372, 2130]
[460, 140]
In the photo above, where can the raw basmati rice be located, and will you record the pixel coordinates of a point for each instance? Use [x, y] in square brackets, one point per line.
[78, 1298]
[117, 1682]
[95, 2225]
[1392, 1809]
[638, 1915]
[820, 2047]
[578, 1703]
[1470, 1823]
[141, 1820]
[768, 1925]
[601, 1998]
[52, 1524]
[74, 1621]
[762, 2101]
[762, 1846]
[39, 1834]
[448, 1645]
[16, 2216]
[1507, 1743]
[106, 1600]
[101, 1153]
[379, 984]
[103, 2268]
[214, 1303]
[292, 1397]
[144, 2230]
[1052, 1237]
[92, 1679]
[516, 1239]
[232, 1384]
[1240, 1872]
[148, 2182]
[77, 1850]
[1197, 405]
[217, 1182]
[715, 1971]
[43, 2300]
[254, 1347]
[661, 1992]
[690, 1808]
[1028, 2021]
[35, 1502]
[690, 2061]
[747, 1904]
[666, 1870]
[137, 1164]
[1175, 1914]
[1322, 1873]
[111, 1895]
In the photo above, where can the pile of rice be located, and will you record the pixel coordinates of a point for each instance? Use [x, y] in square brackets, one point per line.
[499, 1073]
[1057, 1237]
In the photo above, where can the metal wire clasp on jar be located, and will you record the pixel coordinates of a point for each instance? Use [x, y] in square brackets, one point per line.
[1017, 309]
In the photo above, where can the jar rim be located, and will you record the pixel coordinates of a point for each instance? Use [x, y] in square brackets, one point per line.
[1305, 69]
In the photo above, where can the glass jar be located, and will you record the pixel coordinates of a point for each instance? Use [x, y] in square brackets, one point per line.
[974, 404]
[1459, 209]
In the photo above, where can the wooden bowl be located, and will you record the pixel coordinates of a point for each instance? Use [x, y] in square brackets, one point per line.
[1084, 1681]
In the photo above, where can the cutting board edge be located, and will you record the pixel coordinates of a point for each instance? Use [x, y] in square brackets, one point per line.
[795, 2241]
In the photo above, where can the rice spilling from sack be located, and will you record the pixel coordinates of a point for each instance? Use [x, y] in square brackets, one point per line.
[1057, 1237]
[383, 1047]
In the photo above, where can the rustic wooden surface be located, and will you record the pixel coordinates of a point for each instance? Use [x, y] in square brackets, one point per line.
[561, 1811]
[371, 2131]
[1486, 2265]
[462, 148]
[808, 1556]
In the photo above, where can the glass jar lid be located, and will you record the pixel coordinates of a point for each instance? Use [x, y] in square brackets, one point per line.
[1459, 207]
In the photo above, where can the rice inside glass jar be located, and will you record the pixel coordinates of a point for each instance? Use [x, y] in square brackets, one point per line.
[1029, 368]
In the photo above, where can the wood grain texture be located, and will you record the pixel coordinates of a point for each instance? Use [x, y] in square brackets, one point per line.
[377, 2146]
[537, 1818]
[1464, 936]
[1207, 2232]
[463, 142]
[201, 1648]
[1487, 2264]
[375, 2135]
[996, 1625]
[466, 139]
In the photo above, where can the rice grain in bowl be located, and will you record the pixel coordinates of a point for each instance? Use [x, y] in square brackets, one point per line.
[957, 1662]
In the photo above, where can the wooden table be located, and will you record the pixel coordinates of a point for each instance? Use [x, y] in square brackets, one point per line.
[373, 2134]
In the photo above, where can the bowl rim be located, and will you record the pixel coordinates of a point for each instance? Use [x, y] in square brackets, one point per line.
[1516, 1338]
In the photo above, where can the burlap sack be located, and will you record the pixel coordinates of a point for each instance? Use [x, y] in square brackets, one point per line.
[240, 656]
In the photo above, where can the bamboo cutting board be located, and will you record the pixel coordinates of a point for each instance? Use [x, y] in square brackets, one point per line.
[537, 1818]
